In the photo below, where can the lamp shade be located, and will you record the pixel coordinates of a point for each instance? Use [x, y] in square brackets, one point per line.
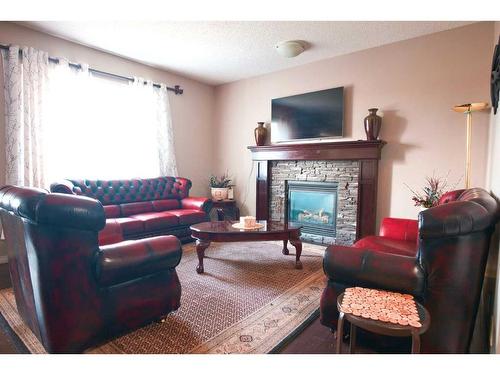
[290, 48]
[470, 107]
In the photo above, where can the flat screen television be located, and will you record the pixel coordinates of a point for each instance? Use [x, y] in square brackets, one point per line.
[313, 115]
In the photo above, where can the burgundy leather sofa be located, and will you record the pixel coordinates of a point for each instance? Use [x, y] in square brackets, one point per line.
[139, 208]
[70, 292]
[440, 260]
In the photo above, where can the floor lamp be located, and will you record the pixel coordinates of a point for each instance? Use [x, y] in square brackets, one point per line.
[468, 109]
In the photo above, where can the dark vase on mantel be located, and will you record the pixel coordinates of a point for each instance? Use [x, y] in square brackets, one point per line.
[373, 123]
[260, 134]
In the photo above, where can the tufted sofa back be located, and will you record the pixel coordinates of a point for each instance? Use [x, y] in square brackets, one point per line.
[450, 196]
[125, 191]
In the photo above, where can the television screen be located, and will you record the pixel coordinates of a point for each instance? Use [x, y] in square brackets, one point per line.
[318, 114]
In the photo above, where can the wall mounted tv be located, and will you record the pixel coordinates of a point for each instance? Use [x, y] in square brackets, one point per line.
[313, 115]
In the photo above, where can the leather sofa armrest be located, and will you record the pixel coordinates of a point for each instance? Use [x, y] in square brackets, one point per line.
[61, 210]
[399, 229]
[70, 211]
[128, 260]
[63, 186]
[372, 269]
[454, 219]
[197, 203]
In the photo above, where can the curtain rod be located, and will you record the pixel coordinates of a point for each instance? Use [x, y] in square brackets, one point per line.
[176, 89]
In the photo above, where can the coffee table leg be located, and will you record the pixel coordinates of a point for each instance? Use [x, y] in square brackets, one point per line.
[340, 332]
[200, 250]
[285, 248]
[298, 251]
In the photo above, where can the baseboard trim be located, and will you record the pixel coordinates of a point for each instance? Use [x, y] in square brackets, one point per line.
[3, 259]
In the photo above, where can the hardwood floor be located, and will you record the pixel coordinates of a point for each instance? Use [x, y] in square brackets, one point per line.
[4, 276]
[318, 339]
[9, 343]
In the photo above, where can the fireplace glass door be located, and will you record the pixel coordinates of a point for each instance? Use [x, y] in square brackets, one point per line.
[312, 205]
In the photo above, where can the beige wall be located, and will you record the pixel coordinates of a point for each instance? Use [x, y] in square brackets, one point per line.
[415, 83]
[191, 112]
[494, 186]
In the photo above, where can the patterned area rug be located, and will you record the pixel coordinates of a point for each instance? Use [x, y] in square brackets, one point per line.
[249, 300]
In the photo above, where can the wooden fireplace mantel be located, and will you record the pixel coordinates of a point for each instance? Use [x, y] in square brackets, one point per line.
[347, 150]
[367, 153]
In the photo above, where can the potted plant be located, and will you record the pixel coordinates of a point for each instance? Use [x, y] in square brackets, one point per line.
[431, 193]
[220, 186]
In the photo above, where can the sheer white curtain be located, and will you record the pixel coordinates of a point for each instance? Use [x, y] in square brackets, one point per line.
[106, 129]
[161, 123]
[25, 91]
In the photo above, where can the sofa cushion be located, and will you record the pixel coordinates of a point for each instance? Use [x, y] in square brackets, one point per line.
[157, 220]
[127, 260]
[112, 211]
[399, 229]
[187, 217]
[112, 233]
[129, 225]
[129, 209]
[165, 204]
[387, 245]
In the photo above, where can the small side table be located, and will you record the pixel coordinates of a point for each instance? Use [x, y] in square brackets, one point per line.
[381, 328]
[224, 210]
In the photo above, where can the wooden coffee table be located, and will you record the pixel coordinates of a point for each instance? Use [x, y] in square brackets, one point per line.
[223, 231]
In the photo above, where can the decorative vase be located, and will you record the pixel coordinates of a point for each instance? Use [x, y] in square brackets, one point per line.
[219, 194]
[373, 122]
[260, 134]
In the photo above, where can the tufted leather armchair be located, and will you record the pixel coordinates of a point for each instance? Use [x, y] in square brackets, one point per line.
[70, 292]
[138, 208]
[440, 260]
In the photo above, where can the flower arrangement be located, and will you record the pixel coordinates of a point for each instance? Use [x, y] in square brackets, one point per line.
[432, 191]
[222, 181]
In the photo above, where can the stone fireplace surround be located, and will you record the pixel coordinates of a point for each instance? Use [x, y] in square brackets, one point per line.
[343, 160]
[345, 173]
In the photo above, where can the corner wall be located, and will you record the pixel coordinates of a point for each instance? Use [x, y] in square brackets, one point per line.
[494, 187]
[415, 83]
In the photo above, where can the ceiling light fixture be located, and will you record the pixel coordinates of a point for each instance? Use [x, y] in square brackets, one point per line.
[290, 48]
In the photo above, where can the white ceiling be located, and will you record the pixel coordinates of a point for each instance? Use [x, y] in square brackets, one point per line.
[220, 52]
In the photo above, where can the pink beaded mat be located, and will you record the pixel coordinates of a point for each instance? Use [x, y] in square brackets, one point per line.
[381, 305]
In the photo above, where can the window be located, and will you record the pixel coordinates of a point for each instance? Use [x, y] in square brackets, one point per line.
[103, 129]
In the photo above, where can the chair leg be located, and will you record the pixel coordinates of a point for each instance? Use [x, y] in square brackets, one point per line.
[415, 343]
[352, 341]
[340, 329]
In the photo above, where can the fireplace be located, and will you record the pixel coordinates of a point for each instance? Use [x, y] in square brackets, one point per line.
[312, 205]
[352, 164]
[331, 185]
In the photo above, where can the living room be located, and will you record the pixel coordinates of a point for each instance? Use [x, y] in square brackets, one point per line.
[257, 187]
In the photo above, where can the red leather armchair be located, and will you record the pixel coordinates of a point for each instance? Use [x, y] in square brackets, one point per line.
[440, 260]
[70, 292]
